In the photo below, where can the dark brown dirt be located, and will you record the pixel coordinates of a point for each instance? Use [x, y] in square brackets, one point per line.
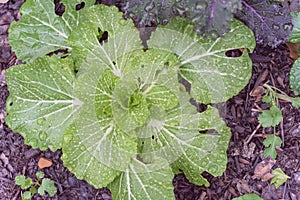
[244, 153]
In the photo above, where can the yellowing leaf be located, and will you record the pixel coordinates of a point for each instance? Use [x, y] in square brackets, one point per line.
[279, 177]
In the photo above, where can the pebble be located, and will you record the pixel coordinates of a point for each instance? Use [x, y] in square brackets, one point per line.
[297, 178]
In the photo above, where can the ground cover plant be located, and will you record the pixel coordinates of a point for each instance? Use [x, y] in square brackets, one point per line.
[119, 113]
[135, 100]
[42, 184]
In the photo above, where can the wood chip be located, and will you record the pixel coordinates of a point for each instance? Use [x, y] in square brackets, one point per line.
[44, 163]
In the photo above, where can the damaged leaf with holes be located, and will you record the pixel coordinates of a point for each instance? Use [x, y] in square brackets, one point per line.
[124, 121]
[41, 31]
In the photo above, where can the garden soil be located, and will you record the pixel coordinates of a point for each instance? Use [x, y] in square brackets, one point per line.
[247, 170]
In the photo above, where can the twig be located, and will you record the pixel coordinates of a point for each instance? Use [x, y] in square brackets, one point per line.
[6, 179]
[253, 133]
[282, 133]
[284, 190]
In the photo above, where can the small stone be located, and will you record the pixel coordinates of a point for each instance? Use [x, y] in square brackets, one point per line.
[297, 178]
[44, 163]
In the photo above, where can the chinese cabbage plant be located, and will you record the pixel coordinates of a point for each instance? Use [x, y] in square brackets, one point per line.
[123, 120]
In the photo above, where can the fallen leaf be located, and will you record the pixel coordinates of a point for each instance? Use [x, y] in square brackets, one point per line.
[263, 169]
[258, 91]
[44, 162]
[294, 49]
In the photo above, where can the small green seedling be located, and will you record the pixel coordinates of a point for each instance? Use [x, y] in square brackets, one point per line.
[279, 177]
[273, 116]
[43, 185]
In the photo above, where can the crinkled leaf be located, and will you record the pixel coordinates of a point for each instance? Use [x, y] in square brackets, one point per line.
[279, 177]
[41, 102]
[270, 117]
[40, 31]
[47, 186]
[23, 182]
[295, 77]
[271, 22]
[147, 73]
[248, 197]
[138, 108]
[210, 18]
[213, 76]
[271, 142]
[295, 34]
[150, 12]
[144, 181]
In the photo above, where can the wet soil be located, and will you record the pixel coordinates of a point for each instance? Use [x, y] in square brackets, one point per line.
[246, 169]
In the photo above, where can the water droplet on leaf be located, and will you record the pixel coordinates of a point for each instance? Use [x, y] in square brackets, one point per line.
[41, 121]
[43, 135]
[275, 27]
[149, 7]
[82, 148]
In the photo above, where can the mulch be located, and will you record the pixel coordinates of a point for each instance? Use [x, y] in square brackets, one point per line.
[246, 169]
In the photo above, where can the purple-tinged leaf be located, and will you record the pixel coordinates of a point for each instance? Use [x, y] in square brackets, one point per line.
[271, 23]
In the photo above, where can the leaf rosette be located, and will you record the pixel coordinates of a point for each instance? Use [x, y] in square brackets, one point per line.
[124, 120]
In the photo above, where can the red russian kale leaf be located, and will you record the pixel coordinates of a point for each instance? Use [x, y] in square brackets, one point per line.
[271, 22]
[149, 12]
[210, 18]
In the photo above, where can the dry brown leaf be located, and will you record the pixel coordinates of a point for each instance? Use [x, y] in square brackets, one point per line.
[294, 49]
[263, 170]
[44, 162]
[258, 91]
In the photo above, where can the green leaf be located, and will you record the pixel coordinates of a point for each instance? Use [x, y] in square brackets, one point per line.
[279, 177]
[39, 175]
[213, 76]
[32, 190]
[248, 197]
[80, 161]
[268, 99]
[41, 102]
[26, 195]
[270, 117]
[144, 181]
[47, 186]
[295, 77]
[123, 38]
[296, 102]
[207, 150]
[295, 33]
[271, 142]
[23, 182]
[138, 108]
[40, 31]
